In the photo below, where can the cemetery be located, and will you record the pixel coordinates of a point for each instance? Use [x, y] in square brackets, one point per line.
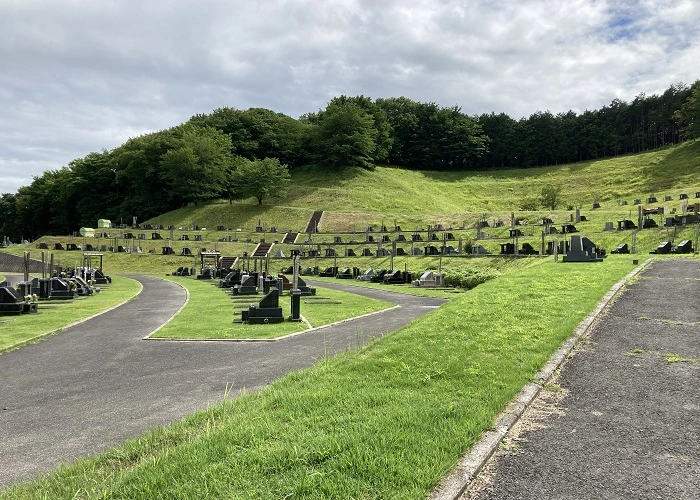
[237, 270]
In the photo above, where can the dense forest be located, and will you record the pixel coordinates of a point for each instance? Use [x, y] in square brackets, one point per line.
[235, 154]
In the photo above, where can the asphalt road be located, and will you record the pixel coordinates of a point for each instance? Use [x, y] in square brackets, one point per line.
[624, 419]
[98, 383]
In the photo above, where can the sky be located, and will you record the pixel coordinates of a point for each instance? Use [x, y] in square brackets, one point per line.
[78, 76]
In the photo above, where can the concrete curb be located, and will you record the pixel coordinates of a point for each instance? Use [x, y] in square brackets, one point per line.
[456, 482]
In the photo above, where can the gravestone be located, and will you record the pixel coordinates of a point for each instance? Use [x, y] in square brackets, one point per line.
[393, 278]
[305, 289]
[207, 274]
[156, 236]
[609, 226]
[507, 249]
[416, 251]
[648, 223]
[337, 240]
[400, 251]
[329, 272]
[652, 199]
[379, 276]
[400, 237]
[12, 302]
[479, 250]
[61, 289]
[382, 252]
[623, 225]
[623, 203]
[247, 286]
[279, 254]
[345, 274]
[582, 250]
[367, 275]
[431, 250]
[416, 237]
[349, 252]
[429, 279]
[366, 252]
[622, 248]
[684, 246]
[637, 201]
[330, 252]
[664, 248]
[186, 251]
[528, 250]
[267, 311]
[683, 196]
[168, 251]
[569, 228]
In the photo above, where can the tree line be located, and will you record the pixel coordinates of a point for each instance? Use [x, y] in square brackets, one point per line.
[234, 154]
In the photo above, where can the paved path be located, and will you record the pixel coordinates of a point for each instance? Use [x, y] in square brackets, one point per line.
[626, 423]
[98, 383]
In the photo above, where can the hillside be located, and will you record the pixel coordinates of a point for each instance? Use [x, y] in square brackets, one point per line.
[356, 197]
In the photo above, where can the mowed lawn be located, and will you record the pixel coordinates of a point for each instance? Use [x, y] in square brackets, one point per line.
[385, 421]
[211, 311]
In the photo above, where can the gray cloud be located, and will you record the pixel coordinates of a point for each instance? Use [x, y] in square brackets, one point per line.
[79, 76]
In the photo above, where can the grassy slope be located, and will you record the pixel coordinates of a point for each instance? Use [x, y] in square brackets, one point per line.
[383, 422]
[419, 197]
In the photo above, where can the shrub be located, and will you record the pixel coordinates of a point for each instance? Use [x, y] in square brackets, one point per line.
[469, 278]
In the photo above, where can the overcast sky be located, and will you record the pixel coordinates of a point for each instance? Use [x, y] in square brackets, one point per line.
[78, 76]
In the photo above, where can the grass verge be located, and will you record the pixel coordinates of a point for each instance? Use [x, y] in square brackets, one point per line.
[54, 316]
[386, 421]
[209, 313]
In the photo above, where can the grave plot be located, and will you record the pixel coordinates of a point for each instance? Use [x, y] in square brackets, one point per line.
[14, 303]
[268, 310]
[430, 279]
[583, 250]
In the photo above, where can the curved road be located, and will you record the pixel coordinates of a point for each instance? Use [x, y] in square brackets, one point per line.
[98, 383]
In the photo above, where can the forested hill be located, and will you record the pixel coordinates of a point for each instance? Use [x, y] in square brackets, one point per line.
[233, 154]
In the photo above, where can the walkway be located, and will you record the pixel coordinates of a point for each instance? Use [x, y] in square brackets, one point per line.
[97, 384]
[624, 420]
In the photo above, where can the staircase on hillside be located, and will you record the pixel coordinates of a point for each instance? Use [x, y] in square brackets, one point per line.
[262, 250]
[312, 227]
[290, 238]
[228, 262]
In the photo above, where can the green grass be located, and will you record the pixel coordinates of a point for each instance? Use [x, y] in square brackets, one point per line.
[54, 316]
[385, 421]
[209, 313]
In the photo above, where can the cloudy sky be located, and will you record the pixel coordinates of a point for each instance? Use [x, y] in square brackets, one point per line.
[78, 76]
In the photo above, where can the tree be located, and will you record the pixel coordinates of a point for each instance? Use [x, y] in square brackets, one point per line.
[688, 116]
[198, 165]
[550, 196]
[344, 136]
[260, 178]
